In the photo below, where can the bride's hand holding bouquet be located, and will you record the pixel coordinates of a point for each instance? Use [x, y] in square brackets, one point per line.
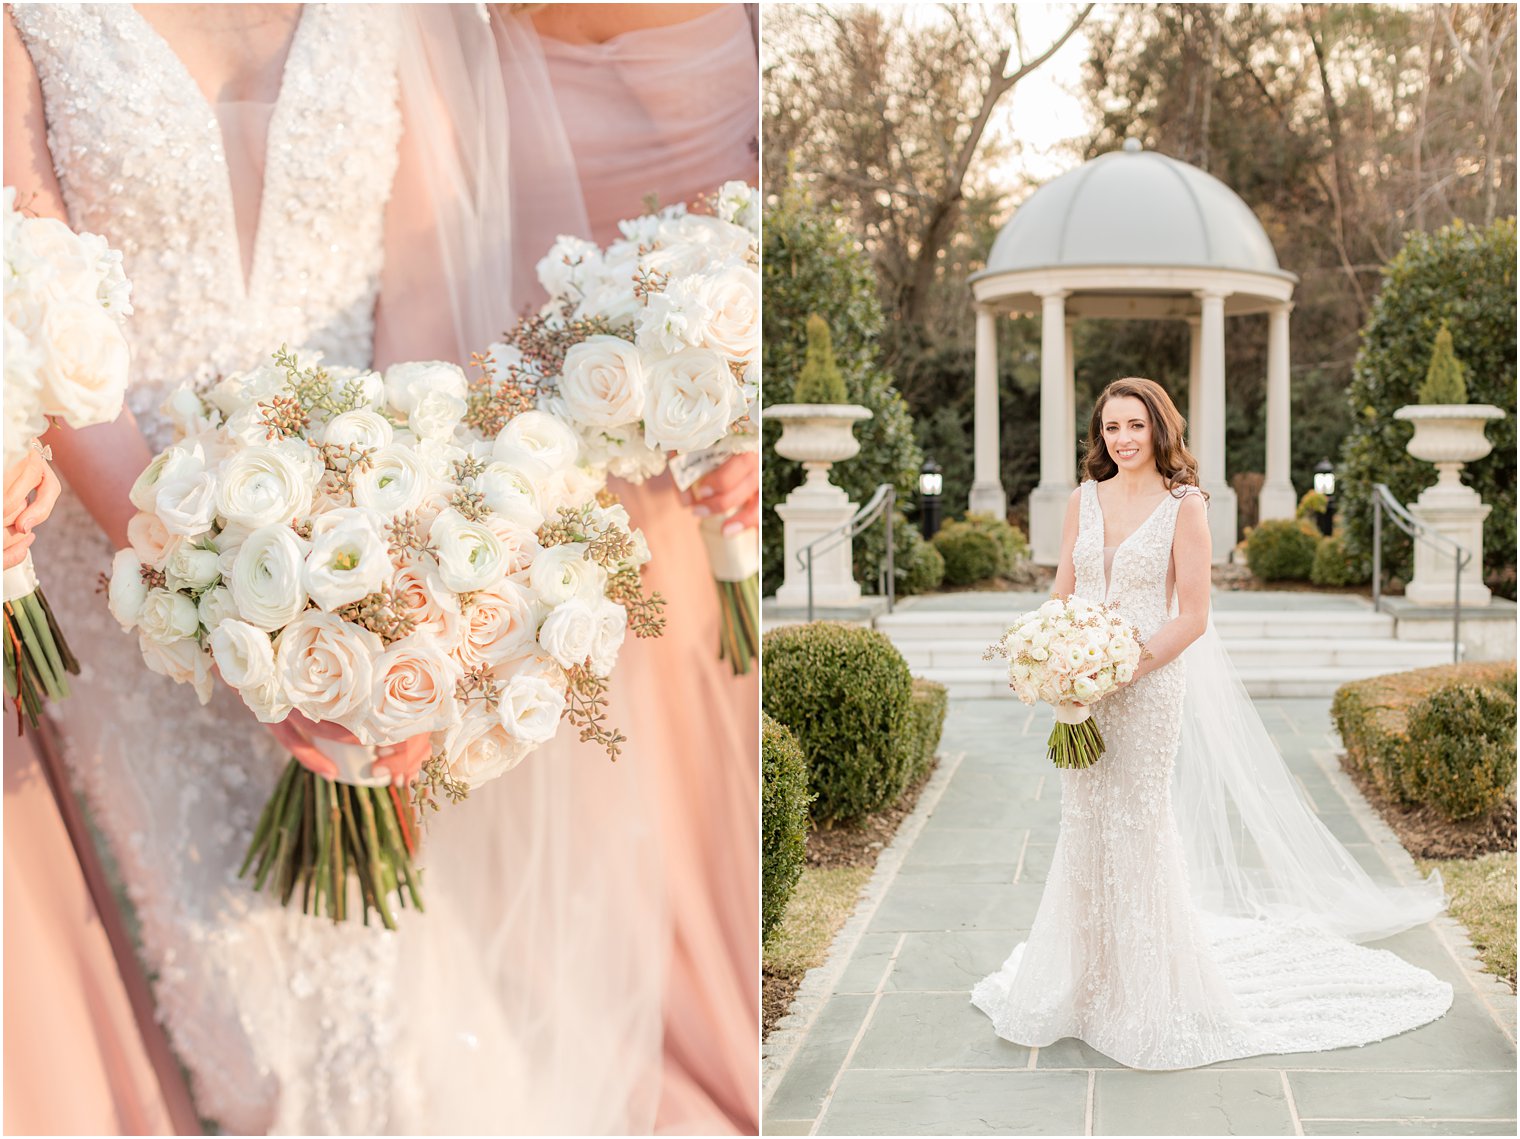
[1070, 653]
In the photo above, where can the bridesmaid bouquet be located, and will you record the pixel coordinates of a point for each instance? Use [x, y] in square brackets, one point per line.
[650, 351]
[346, 545]
[66, 356]
[1070, 653]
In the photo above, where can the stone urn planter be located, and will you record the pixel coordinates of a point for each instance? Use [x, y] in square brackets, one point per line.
[817, 435]
[1449, 435]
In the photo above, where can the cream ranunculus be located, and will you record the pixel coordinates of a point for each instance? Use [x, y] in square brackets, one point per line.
[192, 567]
[185, 496]
[500, 623]
[567, 487]
[396, 481]
[405, 384]
[611, 628]
[181, 661]
[479, 749]
[215, 606]
[265, 486]
[563, 572]
[519, 544]
[569, 633]
[127, 591]
[569, 262]
[734, 330]
[243, 389]
[693, 397]
[361, 428]
[414, 690]
[547, 439]
[602, 382]
[531, 706]
[348, 557]
[436, 414]
[245, 658]
[268, 577]
[325, 667]
[510, 491]
[470, 555]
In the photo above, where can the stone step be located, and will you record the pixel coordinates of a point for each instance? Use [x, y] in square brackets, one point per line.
[1261, 682]
[1375, 654]
[925, 624]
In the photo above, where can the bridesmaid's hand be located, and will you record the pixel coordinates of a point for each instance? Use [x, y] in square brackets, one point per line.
[734, 486]
[297, 734]
[31, 490]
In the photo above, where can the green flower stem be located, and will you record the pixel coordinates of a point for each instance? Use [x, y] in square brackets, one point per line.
[1075, 747]
[739, 634]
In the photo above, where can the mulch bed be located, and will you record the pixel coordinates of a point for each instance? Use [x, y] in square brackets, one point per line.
[1426, 833]
[859, 845]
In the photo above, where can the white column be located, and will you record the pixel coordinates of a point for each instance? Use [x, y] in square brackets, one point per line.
[987, 496]
[1277, 497]
[1211, 469]
[1072, 422]
[1047, 503]
[1195, 387]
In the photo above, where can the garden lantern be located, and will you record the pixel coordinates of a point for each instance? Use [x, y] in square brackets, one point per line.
[931, 485]
[1324, 482]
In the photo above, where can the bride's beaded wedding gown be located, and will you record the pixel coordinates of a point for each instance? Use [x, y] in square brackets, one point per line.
[286, 1023]
[1119, 955]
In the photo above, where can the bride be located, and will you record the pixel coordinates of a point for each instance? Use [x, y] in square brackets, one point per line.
[1196, 910]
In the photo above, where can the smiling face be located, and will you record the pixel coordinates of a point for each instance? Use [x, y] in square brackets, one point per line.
[1127, 433]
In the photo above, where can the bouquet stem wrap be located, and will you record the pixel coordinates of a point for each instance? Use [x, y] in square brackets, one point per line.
[316, 834]
[1075, 742]
[735, 562]
[37, 658]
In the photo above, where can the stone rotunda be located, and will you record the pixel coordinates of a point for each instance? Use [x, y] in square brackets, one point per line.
[1131, 235]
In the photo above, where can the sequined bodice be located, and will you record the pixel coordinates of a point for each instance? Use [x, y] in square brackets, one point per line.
[139, 156]
[1136, 579]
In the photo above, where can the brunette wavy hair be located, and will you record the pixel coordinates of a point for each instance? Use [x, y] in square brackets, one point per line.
[1173, 460]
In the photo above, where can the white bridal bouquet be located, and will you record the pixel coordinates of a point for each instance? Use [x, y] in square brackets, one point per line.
[1070, 653]
[66, 357]
[650, 351]
[353, 546]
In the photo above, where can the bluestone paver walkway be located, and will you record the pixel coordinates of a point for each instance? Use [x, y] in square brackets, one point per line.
[883, 1039]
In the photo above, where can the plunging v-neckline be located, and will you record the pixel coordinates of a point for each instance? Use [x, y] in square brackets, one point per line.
[1108, 565]
[248, 276]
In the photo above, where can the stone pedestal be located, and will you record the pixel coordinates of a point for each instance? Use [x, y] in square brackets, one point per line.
[1047, 514]
[814, 509]
[1455, 511]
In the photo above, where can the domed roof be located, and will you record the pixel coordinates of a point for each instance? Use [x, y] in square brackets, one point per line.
[1133, 207]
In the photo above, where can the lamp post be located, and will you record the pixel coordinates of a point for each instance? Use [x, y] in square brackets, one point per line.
[931, 485]
[1324, 482]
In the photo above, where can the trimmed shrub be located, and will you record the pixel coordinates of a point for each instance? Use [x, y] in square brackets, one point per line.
[1372, 715]
[1444, 381]
[1335, 565]
[971, 554]
[920, 566]
[1461, 752]
[1311, 505]
[1279, 550]
[845, 692]
[783, 821]
[931, 700]
[1013, 547]
[820, 380]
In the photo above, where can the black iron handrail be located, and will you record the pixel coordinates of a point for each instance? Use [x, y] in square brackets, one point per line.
[1382, 499]
[881, 503]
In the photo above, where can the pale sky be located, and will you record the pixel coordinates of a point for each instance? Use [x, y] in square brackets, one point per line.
[1044, 113]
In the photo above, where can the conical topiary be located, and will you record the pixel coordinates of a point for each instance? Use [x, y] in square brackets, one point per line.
[1444, 382]
[820, 381]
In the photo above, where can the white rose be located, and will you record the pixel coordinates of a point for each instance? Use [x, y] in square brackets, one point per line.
[189, 413]
[245, 658]
[325, 667]
[602, 383]
[265, 486]
[181, 661]
[479, 749]
[421, 596]
[519, 545]
[405, 384]
[563, 572]
[151, 540]
[509, 491]
[191, 567]
[348, 558]
[470, 555]
[436, 414]
[547, 439]
[185, 495]
[531, 706]
[734, 330]
[268, 577]
[569, 487]
[215, 606]
[396, 481]
[68, 271]
[361, 428]
[242, 389]
[569, 633]
[692, 400]
[414, 690]
[612, 627]
[127, 591]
